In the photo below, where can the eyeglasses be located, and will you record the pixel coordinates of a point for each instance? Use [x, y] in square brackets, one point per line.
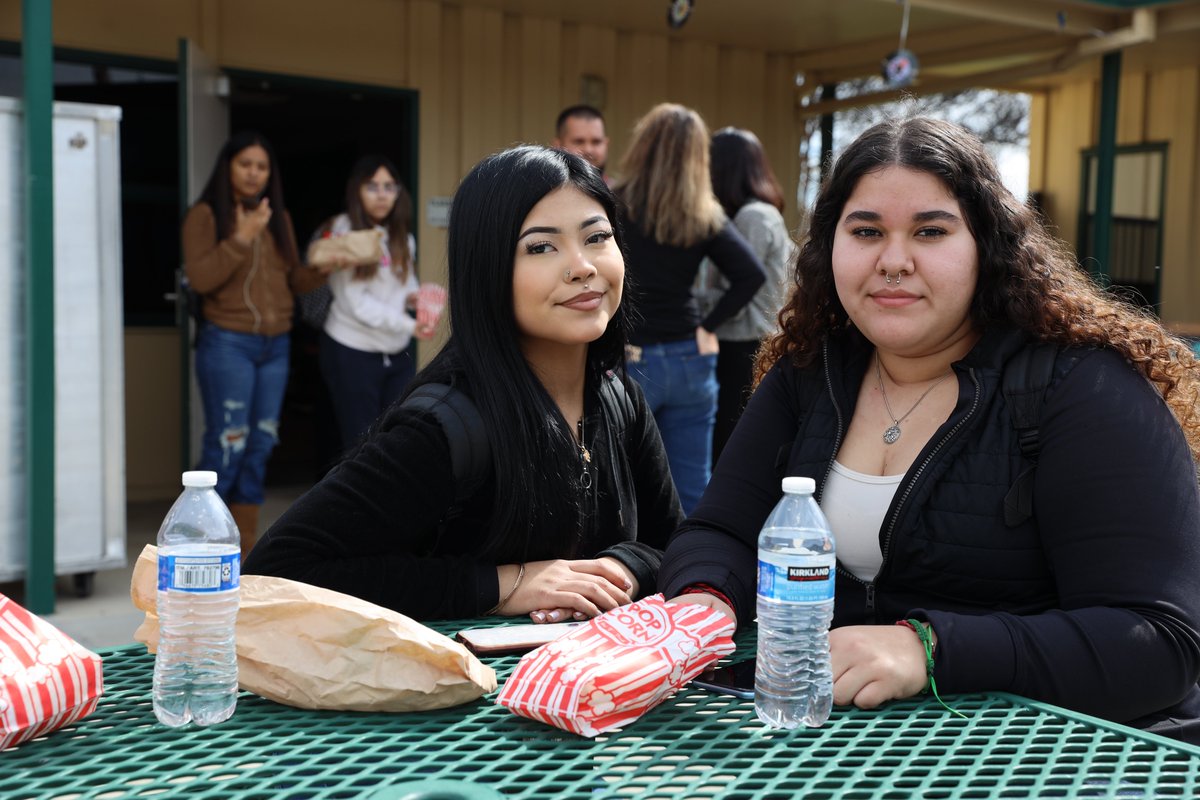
[382, 188]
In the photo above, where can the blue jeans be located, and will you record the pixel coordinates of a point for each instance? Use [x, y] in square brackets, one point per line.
[242, 378]
[681, 389]
[362, 385]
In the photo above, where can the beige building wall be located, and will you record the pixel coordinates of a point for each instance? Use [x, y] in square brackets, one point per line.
[486, 80]
[1155, 104]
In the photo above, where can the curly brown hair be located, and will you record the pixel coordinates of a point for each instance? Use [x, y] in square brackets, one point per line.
[1027, 278]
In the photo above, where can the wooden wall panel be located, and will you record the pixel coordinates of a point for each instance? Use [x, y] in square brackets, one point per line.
[1172, 115]
[695, 77]
[1071, 123]
[742, 89]
[480, 94]
[1131, 108]
[642, 79]
[541, 78]
[362, 42]
[424, 26]
[779, 133]
[149, 28]
[1038, 141]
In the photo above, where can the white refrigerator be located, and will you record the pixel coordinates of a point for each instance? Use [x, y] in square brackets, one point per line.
[89, 374]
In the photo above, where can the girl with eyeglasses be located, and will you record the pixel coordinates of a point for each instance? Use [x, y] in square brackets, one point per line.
[364, 354]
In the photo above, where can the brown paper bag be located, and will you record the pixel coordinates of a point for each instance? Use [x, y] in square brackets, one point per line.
[359, 248]
[309, 647]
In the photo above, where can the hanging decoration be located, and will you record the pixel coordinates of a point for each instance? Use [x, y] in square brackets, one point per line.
[678, 12]
[900, 68]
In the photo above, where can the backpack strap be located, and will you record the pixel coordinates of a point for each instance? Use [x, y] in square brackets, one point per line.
[618, 407]
[470, 450]
[1026, 377]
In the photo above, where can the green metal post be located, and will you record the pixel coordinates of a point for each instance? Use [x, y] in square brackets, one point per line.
[1106, 155]
[37, 56]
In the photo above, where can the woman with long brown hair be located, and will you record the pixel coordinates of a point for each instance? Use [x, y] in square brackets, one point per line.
[365, 358]
[1051, 554]
[748, 191]
[672, 222]
[239, 253]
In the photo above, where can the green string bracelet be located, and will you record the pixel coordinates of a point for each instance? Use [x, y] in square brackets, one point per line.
[921, 629]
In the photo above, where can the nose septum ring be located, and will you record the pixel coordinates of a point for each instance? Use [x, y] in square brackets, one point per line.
[887, 277]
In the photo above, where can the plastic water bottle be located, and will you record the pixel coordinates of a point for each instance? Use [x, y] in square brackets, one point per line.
[793, 681]
[199, 569]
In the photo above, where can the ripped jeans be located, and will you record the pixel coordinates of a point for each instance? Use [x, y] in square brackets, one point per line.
[242, 378]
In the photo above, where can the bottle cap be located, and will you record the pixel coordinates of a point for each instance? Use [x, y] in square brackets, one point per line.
[201, 478]
[799, 485]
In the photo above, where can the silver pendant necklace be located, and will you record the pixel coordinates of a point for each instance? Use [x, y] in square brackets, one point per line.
[892, 434]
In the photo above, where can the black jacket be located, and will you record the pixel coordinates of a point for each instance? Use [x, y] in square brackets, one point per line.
[1092, 604]
[378, 526]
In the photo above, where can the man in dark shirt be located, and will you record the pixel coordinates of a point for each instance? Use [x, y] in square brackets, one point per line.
[580, 130]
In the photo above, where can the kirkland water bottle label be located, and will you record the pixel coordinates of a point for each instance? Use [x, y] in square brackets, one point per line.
[199, 573]
[796, 580]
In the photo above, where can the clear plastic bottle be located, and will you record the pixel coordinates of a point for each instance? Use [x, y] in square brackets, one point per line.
[793, 682]
[199, 569]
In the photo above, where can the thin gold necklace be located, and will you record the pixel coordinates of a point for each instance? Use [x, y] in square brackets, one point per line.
[585, 479]
[893, 432]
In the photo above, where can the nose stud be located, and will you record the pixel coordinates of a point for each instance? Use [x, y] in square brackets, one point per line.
[567, 276]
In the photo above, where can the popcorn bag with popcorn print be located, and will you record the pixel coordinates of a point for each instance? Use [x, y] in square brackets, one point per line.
[47, 679]
[610, 671]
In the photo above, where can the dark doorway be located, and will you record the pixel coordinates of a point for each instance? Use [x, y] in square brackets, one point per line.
[318, 130]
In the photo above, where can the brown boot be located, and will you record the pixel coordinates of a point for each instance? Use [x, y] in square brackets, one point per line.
[246, 517]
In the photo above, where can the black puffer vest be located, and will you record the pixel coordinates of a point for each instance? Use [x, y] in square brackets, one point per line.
[944, 533]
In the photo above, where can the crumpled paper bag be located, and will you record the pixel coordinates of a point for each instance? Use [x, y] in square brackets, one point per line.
[309, 647]
[617, 666]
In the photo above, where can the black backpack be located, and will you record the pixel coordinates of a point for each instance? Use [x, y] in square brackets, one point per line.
[470, 451]
[1026, 377]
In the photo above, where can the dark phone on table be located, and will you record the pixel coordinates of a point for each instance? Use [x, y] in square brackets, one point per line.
[735, 679]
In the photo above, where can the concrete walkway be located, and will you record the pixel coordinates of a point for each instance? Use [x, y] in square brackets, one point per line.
[107, 618]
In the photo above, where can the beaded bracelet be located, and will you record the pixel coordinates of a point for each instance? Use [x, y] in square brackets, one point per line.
[511, 592]
[921, 629]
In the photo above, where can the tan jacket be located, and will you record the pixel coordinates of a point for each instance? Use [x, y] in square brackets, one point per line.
[247, 289]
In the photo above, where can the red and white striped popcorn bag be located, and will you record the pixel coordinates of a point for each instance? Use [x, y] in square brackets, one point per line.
[47, 679]
[610, 671]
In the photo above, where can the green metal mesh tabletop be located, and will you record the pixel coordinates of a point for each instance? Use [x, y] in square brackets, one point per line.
[696, 745]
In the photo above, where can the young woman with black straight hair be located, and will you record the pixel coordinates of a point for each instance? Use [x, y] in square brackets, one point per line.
[239, 253]
[576, 505]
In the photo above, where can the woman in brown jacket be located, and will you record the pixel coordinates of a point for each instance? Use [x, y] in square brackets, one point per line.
[241, 258]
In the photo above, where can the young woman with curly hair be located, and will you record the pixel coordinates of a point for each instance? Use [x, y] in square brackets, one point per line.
[921, 278]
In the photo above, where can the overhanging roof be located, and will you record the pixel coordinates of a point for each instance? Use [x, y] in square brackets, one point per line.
[960, 43]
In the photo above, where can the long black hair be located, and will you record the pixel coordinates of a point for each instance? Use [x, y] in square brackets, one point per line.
[397, 222]
[740, 171]
[218, 192]
[533, 453]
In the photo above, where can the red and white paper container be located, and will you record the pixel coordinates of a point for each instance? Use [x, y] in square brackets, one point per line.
[47, 679]
[618, 666]
[431, 301]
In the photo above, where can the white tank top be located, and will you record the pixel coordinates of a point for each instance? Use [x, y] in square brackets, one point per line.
[855, 505]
